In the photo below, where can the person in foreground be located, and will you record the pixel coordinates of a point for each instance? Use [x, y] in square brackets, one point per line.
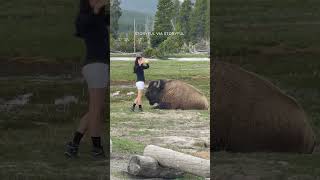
[91, 26]
[140, 65]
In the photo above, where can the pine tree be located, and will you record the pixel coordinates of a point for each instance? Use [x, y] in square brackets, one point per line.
[184, 19]
[122, 42]
[199, 20]
[130, 43]
[115, 14]
[173, 44]
[176, 11]
[162, 22]
[207, 31]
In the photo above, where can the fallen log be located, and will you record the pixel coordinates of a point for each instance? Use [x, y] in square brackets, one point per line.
[144, 166]
[179, 161]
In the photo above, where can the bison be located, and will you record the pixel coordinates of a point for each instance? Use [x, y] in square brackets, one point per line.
[175, 94]
[250, 114]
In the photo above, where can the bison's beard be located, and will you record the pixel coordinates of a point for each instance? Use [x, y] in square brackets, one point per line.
[151, 101]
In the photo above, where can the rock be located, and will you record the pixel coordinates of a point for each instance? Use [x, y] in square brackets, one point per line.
[117, 93]
[283, 163]
[20, 100]
[66, 100]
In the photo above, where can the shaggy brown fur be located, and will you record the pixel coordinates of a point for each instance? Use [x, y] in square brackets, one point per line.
[183, 96]
[251, 114]
[179, 95]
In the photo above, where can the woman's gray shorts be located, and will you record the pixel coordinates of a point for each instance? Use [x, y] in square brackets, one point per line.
[96, 75]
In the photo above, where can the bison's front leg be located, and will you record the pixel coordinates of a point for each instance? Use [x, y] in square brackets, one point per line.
[162, 106]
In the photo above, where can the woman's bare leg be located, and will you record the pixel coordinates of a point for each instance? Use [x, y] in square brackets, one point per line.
[139, 97]
[96, 111]
[83, 125]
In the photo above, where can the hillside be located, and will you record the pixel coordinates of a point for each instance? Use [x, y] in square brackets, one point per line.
[145, 6]
[127, 18]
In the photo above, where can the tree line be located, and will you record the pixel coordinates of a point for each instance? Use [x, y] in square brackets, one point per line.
[177, 26]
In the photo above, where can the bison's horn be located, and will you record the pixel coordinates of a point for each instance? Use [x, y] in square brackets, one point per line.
[158, 84]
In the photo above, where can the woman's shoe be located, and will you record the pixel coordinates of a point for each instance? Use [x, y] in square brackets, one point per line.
[71, 150]
[98, 152]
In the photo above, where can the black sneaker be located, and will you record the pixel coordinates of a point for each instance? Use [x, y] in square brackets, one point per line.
[98, 152]
[71, 150]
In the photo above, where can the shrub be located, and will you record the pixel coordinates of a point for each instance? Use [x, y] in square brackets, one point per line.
[151, 53]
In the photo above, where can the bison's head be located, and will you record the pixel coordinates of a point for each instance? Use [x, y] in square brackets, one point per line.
[154, 91]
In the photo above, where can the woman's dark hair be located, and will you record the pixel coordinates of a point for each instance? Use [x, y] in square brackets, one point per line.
[136, 64]
[86, 8]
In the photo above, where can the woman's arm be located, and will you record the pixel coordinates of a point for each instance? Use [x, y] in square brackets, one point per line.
[145, 66]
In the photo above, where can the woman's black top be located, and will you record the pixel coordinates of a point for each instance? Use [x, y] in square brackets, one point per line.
[139, 70]
[92, 28]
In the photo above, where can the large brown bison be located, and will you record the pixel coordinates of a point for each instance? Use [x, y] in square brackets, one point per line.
[251, 114]
[175, 94]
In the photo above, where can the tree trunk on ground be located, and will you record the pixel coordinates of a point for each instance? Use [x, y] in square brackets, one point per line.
[179, 161]
[148, 167]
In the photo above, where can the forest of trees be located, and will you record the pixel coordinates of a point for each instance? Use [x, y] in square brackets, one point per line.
[183, 25]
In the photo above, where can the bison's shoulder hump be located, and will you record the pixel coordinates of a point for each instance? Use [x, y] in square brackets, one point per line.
[172, 84]
[246, 77]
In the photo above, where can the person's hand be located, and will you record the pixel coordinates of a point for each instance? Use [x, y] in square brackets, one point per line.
[99, 5]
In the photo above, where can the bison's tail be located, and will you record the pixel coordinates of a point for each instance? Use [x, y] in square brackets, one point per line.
[203, 103]
[309, 141]
[206, 103]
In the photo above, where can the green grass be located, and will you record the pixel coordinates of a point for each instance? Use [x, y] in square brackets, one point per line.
[32, 137]
[180, 55]
[277, 40]
[243, 27]
[32, 28]
[195, 73]
[125, 145]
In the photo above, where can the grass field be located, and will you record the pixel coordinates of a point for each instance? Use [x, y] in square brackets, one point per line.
[40, 55]
[32, 136]
[132, 131]
[278, 40]
[31, 28]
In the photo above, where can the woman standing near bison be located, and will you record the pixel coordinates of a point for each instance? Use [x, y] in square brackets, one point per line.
[91, 26]
[140, 65]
